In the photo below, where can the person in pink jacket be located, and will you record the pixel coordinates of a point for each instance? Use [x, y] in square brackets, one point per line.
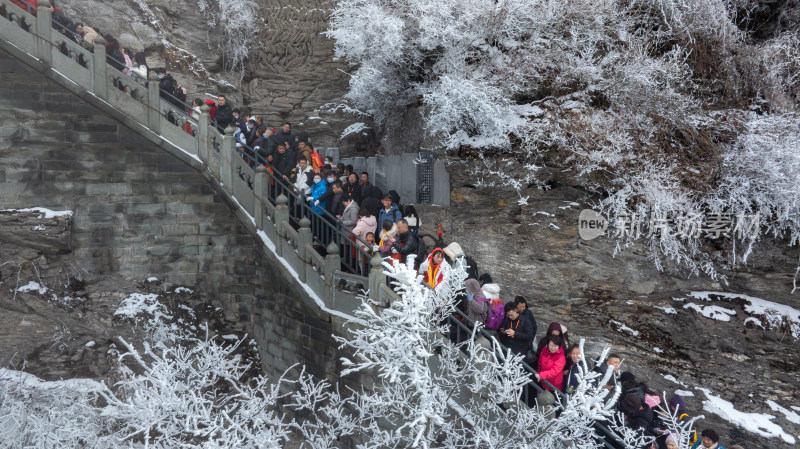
[551, 363]
[366, 224]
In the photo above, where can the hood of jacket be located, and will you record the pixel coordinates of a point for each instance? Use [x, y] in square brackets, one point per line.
[492, 290]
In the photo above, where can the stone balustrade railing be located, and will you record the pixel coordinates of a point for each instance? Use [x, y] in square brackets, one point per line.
[260, 197]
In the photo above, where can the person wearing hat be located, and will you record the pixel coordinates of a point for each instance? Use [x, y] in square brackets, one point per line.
[458, 259]
[628, 383]
[390, 211]
[638, 415]
[671, 442]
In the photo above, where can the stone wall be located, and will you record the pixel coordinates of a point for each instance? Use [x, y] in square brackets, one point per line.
[138, 212]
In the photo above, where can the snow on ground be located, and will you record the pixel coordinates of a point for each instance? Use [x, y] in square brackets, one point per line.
[151, 279]
[672, 379]
[44, 212]
[774, 313]
[684, 393]
[790, 415]
[137, 303]
[667, 310]
[230, 337]
[31, 381]
[625, 328]
[759, 423]
[33, 287]
[714, 312]
[182, 290]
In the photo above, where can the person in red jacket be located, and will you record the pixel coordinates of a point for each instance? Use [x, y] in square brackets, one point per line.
[551, 363]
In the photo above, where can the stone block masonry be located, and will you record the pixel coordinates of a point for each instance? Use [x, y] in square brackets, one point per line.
[140, 212]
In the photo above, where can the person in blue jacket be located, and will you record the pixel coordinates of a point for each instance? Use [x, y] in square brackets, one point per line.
[317, 190]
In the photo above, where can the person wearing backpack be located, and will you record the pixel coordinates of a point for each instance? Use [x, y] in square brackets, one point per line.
[515, 331]
[477, 304]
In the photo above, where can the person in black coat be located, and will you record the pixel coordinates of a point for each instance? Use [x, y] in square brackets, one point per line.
[408, 244]
[286, 137]
[224, 115]
[522, 308]
[368, 190]
[353, 189]
[284, 161]
[638, 415]
[515, 332]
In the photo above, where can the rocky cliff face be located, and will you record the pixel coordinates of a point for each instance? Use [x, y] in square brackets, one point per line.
[624, 301]
[290, 74]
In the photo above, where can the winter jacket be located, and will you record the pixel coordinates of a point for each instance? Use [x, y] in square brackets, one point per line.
[373, 205]
[527, 314]
[543, 341]
[317, 190]
[436, 276]
[572, 378]
[350, 216]
[478, 309]
[408, 244]
[167, 87]
[302, 180]
[284, 163]
[643, 419]
[370, 191]
[363, 226]
[522, 338]
[282, 137]
[393, 214]
[551, 367]
[697, 443]
[224, 116]
[353, 191]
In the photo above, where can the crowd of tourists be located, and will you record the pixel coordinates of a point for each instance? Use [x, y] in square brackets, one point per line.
[381, 225]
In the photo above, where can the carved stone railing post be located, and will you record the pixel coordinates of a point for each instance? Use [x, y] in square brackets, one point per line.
[203, 144]
[99, 68]
[226, 167]
[44, 32]
[281, 220]
[376, 277]
[259, 195]
[154, 101]
[333, 263]
[304, 240]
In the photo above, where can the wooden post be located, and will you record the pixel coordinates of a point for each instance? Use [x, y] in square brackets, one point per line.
[99, 68]
[44, 32]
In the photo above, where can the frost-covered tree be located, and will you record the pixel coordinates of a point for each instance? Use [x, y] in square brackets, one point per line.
[235, 25]
[182, 388]
[652, 103]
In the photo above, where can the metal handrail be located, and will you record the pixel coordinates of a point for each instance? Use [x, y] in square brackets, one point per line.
[464, 325]
[331, 231]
